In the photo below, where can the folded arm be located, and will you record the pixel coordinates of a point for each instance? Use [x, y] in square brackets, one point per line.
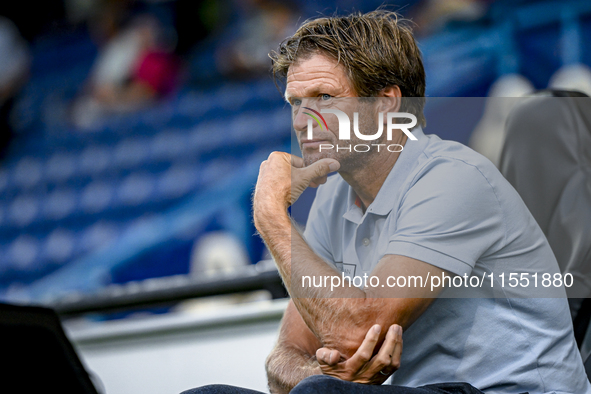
[339, 317]
[293, 357]
[298, 355]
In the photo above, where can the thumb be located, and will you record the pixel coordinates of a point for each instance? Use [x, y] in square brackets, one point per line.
[321, 168]
[326, 356]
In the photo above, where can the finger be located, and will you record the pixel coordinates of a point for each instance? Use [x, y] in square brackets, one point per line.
[277, 155]
[327, 356]
[320, 169]
[319, 181]
[397, 353]
[365, 351]
[297, 162]
[321, 355]
[383, 360]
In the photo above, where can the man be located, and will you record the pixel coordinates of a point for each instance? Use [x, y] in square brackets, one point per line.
[431, 209]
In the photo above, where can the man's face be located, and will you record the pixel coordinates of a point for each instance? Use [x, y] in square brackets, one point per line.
[319, 82]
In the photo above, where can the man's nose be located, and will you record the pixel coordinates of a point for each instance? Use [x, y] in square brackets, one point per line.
[300, 118]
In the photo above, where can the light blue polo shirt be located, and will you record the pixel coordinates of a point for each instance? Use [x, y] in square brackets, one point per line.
[448, 206]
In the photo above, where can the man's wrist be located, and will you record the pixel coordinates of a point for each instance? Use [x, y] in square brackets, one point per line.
[269, 214]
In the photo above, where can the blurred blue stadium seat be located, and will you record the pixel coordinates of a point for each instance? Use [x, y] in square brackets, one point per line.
[82, 209]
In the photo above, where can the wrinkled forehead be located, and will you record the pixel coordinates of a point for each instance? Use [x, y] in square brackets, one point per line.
[316, 75]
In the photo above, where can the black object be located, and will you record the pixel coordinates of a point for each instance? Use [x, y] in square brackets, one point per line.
[581, 321]
[36, 354]
[546, 158]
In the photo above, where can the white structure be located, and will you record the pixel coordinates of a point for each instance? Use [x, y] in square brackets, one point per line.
[166, 354]
[489, 135]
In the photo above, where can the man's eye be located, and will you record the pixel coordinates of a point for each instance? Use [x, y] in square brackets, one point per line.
[326, 96]
[296, 102]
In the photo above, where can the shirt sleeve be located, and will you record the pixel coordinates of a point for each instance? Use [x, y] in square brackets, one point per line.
[449, 217]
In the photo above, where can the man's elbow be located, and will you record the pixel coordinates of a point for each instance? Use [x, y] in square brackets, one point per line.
[351, 342]
[272, 367]
[348, 334]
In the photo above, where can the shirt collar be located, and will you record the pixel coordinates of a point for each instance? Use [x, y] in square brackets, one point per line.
[390, 191]
[354, 212]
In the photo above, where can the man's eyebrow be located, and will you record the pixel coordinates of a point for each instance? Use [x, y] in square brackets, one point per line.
[311, 91]
[287, 96]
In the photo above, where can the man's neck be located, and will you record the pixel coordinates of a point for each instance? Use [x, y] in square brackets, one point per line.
[368, 180]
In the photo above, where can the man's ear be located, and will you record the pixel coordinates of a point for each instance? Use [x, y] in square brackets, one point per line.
[390, 99]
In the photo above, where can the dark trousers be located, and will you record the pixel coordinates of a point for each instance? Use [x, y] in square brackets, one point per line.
[329, 385]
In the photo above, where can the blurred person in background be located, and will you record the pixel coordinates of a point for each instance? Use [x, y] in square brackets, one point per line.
[265, 23]
[135, 67]
[14, 72]
[238, 50]
[433, 15]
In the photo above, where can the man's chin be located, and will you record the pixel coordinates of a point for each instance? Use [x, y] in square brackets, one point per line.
[310, 159]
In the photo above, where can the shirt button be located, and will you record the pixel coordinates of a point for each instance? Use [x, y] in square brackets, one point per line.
[365, 241]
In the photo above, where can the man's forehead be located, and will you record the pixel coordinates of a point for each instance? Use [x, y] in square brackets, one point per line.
[314, 75]
[312, 88]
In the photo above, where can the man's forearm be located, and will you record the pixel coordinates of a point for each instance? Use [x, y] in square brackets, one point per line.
[327, 313]
[287, 366]
[339, 317]
[284, 242]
